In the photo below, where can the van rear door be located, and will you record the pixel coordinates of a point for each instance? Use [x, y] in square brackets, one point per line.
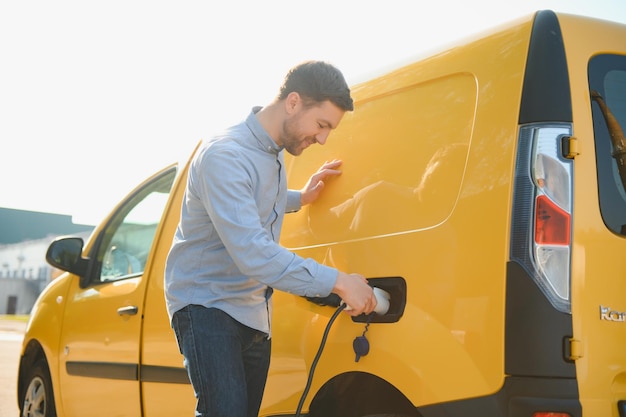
[596, 54]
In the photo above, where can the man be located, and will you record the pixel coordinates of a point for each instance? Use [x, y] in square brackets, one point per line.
[225, 260]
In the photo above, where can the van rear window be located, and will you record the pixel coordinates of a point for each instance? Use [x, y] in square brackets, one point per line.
[607, 82]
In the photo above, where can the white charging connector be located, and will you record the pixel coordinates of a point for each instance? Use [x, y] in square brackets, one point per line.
[382, 301]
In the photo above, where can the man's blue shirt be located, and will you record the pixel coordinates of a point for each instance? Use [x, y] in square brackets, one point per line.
[225, 253]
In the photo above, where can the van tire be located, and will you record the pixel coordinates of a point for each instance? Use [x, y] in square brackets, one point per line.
[38, 399]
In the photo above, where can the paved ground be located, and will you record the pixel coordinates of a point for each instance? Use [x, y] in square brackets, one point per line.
[11, 334]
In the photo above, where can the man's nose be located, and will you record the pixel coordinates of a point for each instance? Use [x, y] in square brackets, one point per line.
[321, 137]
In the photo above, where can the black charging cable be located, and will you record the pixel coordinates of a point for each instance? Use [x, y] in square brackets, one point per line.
[317, 358]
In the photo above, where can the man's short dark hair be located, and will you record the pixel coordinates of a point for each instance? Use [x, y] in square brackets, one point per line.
[317, 81]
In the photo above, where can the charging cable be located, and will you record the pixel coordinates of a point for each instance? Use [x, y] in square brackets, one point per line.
[317, 358]
[360, 345]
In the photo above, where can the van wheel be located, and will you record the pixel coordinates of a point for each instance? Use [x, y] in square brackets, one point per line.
[38, 398]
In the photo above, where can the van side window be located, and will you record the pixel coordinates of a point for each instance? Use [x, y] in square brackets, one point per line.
[124, 245]
[607, 82]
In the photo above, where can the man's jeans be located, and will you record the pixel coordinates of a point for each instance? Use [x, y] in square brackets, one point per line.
[227, 362]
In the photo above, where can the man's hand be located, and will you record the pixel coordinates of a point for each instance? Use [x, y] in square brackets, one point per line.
[356, 292]
[315, 185]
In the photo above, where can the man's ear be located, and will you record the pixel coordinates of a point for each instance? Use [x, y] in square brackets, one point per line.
[293, 102]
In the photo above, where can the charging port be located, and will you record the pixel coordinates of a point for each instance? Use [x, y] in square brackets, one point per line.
[396, 287]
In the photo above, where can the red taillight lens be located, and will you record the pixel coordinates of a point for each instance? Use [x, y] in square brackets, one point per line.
[552, 224]
[550, 414]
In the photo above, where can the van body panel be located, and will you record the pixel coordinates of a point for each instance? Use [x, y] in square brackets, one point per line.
[162, 373]
[43, 328]
[451, 321]
[111, 353]
[362, 210]
[426, 207]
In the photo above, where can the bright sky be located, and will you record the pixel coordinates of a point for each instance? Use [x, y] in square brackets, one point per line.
[96, 96]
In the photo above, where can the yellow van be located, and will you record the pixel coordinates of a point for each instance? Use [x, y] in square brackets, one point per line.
[483, 188]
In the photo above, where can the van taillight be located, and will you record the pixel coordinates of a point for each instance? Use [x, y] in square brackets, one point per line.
[552, 223]
[542, 210]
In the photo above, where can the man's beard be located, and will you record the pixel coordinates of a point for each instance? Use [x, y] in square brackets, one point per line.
[291, 139]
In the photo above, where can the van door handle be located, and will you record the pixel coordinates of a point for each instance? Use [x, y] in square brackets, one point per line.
[127, 311]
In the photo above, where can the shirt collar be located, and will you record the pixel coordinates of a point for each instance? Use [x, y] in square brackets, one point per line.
[263, 138]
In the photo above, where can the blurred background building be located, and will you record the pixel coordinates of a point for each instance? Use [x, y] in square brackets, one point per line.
[24, 240]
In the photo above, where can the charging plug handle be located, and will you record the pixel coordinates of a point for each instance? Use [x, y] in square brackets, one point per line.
[383, 299]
